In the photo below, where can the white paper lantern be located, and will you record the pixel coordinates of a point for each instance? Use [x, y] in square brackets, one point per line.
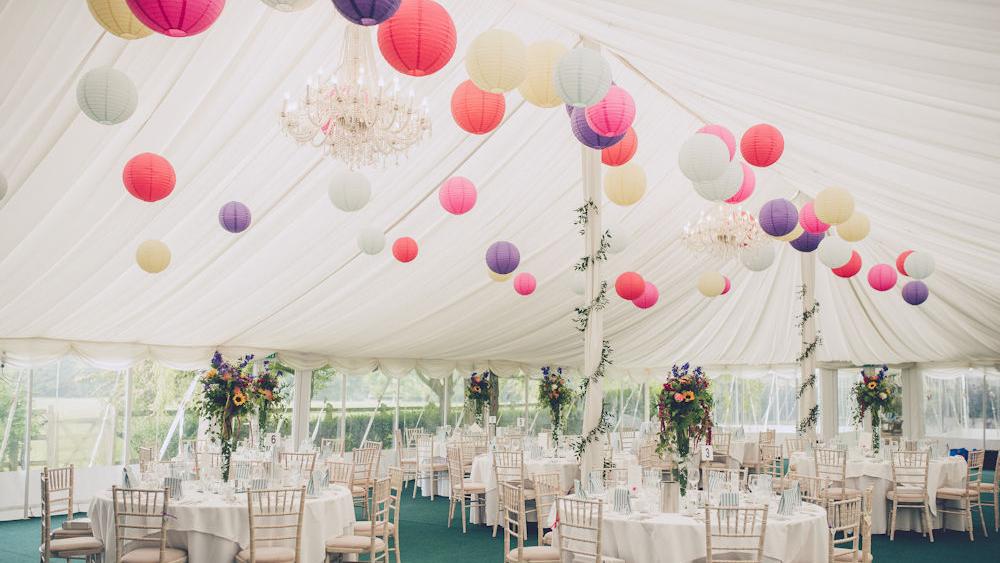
[371, 240]
[723, 187]
[619, 240]
[106, 95]
[919, 265]
[582, 77]
[497, 61]
[289, 5]
[350, 190]
[834, 252]
[704, 157]
[758, 258]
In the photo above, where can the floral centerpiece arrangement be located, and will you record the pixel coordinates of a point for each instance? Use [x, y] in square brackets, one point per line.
[477, 391]
[872, 394]
[554, 393]
[685, 412]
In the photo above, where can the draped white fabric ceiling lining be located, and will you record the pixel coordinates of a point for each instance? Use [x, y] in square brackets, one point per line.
[899, 102]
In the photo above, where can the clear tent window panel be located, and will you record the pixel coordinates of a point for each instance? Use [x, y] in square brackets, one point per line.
[158, 394]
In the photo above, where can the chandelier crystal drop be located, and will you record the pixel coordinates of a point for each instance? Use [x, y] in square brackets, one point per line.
[724, 231]
[352, 114]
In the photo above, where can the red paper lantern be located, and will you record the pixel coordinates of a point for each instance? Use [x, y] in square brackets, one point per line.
[622, 151]
[728, 286]
[404, 249]
[852, 267]
[901, 261]
[630, 285]
[524, 283]
[762, 145]
[177, 18]
[149, 177]
[475, 110]
[418, 40]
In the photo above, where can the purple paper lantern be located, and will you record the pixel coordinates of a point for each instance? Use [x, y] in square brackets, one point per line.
[502, 257]
[915, 292]
[586, 135]
[778, 217]
[807, 242]
[367, 12]
[234, 217]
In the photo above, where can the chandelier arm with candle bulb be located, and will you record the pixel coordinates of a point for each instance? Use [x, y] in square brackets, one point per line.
[724, 232]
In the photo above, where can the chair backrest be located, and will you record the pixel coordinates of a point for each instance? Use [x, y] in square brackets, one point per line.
[471, 447]
[810, 487]
[771, 461]
[364, 461]
[720, 443]
[831, 464]
[206, 460]
[738, 533]
[547, 489]
[508, 465]
[60, 488]
[766, 437]
[395, 493]
[626, 438]
[249, 469]
[333, 445]
[456, 469]
[275, 516]
[793, 445]
[909, 470]
[340, 473]
[145, 458]
[974, 474]
[866, 523]
[512, 517]
[580, 528]
[614, 476]
[738, 476]
[304, 462]
[46, 517]
[425, 450]
[140, 519]
[843, 518]
[411, 436]
[381, 501]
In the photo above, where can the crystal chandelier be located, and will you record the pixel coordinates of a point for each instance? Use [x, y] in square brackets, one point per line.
[352, 115]
[724, 232]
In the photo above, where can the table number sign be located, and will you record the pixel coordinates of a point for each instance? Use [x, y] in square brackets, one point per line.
[707, 453]
[520, 422]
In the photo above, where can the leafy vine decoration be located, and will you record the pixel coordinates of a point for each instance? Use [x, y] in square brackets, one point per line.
[812, 417]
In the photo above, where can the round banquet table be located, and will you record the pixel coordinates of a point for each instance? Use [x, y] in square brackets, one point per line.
[213, 530]
[482, 472]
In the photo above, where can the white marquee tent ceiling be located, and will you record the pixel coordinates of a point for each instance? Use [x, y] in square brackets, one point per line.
[897, 101]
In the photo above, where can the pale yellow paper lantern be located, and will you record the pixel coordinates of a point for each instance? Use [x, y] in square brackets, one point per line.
[854, 229]
[497, 61]
[539, 85]
[625, 184]
[833, 206]
[499, 277]
[796, 233]
[116, 17]
[711, 284]
[153, 256]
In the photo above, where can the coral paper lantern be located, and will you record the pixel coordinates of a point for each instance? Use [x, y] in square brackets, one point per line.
[419, 39]
[582, 77]
[630, 285]
[152, 256]
[149, 177]
[622, 151]
[703, 157]
[915, 292]
[539, 85]
[919, 265]
[291, 5]
[177, 18]
[626, 184]
[502, 257]
[762, 145]
[650, 295]
[711, 284]
[778, 217]
[882, 277]
[404, 249]
[116, 17]
[723, 187]
[834, 205]
[854, 229]
[234, 217]
[106, 95]
[350, 190]
[901, 261]
[524, 283]
[809, 221]
[363, 12]
[497, 61]
[371, 240]
[586, 135]
[498, 277]
[476, 111]
[457, 195]
[834, 252]
[613, 115]
[852, 267]
[758, 258]
[725, 134]
[727, 287]
[746, 186]
[807, 242]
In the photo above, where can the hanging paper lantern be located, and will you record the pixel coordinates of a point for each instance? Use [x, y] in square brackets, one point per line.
[746, 187]
[234, 217]
[360, 12]
[502, 257]
[177, 18]
[152, 256]
[778, 217]
[727, 287]
[882, 277]
[498, 277]
[762, 145]
[854, 229]
[457, 195]
[371, 240]
[650, 295]
[796, 233]
[626, 184]
[106, 95]
[586, 135]
[497, 61]
[116, 17]
[149, 177]
[834, 205]
[919, 265]
[404, 249]
[296, 5]
[711, 284]
[419, 39]
[834, 252]
[524, 283]
[758, 258]
[900, 261]
[539, 85]
[613, 115]
[915, 292]
[582, 77]
[476, 111]
[703, 158]
[619, 240]
[350, 190]
[723, 187]
[725, 134]
[809, 221]
[807, 242]
[622, 151]
[630, 285]
[852, 267]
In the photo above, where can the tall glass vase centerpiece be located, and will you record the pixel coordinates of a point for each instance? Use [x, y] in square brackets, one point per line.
[872, 395]
[685, 413]
[555, 395]
[477, 392]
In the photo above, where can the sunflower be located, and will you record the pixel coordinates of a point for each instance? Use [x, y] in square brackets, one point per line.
[872, 385]
[689, 396]
[239, 399]
[211, 373]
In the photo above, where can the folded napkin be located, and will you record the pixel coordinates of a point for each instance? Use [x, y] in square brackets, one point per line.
[622, 501]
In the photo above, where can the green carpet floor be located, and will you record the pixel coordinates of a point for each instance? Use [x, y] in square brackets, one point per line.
[424, 538]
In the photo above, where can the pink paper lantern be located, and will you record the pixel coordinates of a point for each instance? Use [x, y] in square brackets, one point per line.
[882, 277]
[650, 295]
[177, 18]
[613, 115]
[809, 221]
[728, 286]
[524, 283]
[747, 187]
[901, 261]
[457, 195]
[725, 134]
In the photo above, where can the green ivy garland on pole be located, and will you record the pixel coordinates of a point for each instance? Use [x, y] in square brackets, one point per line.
[809, 421]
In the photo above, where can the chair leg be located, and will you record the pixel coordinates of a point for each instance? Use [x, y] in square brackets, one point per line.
[395, 542]
[416, 476]
[433, 482]
[982, 521]
[892, 521]
[930, 521]
[463, 513]
[996, 512]
[968, 517]
[451, 510]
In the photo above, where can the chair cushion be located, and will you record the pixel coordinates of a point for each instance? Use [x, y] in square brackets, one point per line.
[846, 554]
[955, 492]
[985, 487]
[474, 486]
[535, 553]
[547, 538]
[152, 555]
[915, 495]
[64, 533]
[77, 524]
[839, 493]
[363, 527]
[79, 545]
[353, 544]
[273, 554]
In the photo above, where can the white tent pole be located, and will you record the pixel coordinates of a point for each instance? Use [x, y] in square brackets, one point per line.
[342, 431]
[984, 394]
[808, 365]
[11, 413]
[127, 415]
[301, 396]
[27, 441]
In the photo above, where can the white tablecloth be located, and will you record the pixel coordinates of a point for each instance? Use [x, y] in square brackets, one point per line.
[214, 531]
[482, 471]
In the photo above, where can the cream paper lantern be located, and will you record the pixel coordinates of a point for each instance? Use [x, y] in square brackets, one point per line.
[919, 265]
[625, 184]
[711, 284]
[582, 77]
[758, 258]
[854, 229]
[288, 5]
[106, 95]
[833, 206]
[497, 61]
[350, 190]
[704, 157]
[723, 187]
[834, 252]
[371, 240]
[796, 233]
[539, 85]
[153, 256]
[499, 277]
[116, 17]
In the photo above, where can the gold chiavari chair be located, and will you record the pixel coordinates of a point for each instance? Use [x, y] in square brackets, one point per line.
[866, 525]
[514, 526]
[303, 462]
[991, 489]
[340, 473]
[580, 530]
[967, 495]
[649, 459]
[843, 519]
[205, 460]
[832, 466]
[275, 516]
[463, 490]
[85, 547]
[406, 456]
[547, 490]
[62, 482]
[767, 437]
[909, 478]
[389, 532]
[141, 526]
[626, 439]
[739, 533]
[508, 466]
[145, 459]
[429, 464]
[335, 446]
[370, 544]
[738, 476]
[613, 476]
[364, 466]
